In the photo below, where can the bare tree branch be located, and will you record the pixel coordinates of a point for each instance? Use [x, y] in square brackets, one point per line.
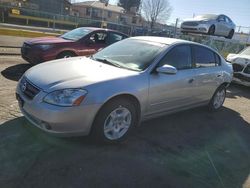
[156, 11]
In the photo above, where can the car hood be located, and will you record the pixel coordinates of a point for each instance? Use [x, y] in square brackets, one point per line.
[74, 72]
[196, 19]
[240, 59]
[47, 40]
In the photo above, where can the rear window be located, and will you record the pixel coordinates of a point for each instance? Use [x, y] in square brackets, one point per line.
[204, 57]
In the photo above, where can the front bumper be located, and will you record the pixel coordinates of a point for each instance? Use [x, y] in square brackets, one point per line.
[61, 121]
[35, 56]
[200, 28]
[240, 78]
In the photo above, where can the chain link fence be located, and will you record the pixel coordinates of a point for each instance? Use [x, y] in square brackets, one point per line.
[23, 16]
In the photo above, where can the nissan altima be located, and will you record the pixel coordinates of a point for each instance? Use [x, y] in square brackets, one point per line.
[111, 92]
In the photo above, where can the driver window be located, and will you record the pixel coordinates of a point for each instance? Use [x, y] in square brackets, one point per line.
[221, 19]
[179, 57]
[99, 38]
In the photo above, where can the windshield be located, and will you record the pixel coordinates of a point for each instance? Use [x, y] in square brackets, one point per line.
[207, 16]
[246, 51]
[75, 34]
[131, 54]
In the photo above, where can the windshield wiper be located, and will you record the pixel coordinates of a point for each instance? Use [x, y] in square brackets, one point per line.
[106, 61]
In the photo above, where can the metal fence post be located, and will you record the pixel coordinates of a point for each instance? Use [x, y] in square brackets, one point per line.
[175, 28]
[3, 16]
[54, 24]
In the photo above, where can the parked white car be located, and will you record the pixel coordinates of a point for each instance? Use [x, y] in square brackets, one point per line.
[241, 66]
[211, 24]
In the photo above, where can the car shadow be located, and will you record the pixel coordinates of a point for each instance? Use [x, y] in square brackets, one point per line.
[236, 90]
[193, 148]
[15, 72]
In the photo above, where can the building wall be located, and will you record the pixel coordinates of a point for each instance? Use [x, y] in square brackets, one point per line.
[52, 6]
[109, 16]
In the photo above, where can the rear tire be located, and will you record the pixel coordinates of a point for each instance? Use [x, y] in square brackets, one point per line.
[218, 99]
[65, 55]
[231, 34]
[114, 121]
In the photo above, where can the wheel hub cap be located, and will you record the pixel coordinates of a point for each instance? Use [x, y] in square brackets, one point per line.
[117, 123]
[219, 99]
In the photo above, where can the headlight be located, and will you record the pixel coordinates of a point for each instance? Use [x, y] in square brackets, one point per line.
[66, 97]
[45, 46]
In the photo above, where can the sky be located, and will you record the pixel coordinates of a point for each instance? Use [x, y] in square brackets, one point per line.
[237, 10]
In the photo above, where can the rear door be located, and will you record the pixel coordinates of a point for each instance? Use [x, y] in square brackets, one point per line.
[208, 72]
[170, 91]
[221, 27]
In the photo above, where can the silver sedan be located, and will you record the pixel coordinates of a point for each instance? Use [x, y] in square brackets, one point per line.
[110, 93]
[211, 24]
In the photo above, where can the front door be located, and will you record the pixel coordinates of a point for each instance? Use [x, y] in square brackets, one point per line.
[95, 42]
[170, 91]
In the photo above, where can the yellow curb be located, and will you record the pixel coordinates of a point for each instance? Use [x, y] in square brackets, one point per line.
[25, 33]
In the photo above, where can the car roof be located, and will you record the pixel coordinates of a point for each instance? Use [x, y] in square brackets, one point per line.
[102, 29]
[162, 40]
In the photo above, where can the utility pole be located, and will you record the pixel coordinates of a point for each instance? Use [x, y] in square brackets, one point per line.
[175, 29]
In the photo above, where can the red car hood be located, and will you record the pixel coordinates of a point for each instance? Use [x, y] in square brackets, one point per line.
[47, 40]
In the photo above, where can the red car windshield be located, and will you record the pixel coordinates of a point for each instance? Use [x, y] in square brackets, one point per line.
[75, 34]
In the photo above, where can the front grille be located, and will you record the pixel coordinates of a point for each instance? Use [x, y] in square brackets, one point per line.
[242, 77]
[237, 67]
[190, 29]
[28, 89]
[190, 24]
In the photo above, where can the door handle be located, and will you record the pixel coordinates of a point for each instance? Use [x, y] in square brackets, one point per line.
[191, 80]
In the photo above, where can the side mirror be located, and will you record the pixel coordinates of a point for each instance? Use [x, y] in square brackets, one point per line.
[167, 69]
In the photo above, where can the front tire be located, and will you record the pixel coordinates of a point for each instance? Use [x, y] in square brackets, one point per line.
[218, 99]
[65, 55]
[115, 121]
[211, 30]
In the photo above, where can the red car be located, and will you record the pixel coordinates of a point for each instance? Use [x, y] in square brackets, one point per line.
[82, 41]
